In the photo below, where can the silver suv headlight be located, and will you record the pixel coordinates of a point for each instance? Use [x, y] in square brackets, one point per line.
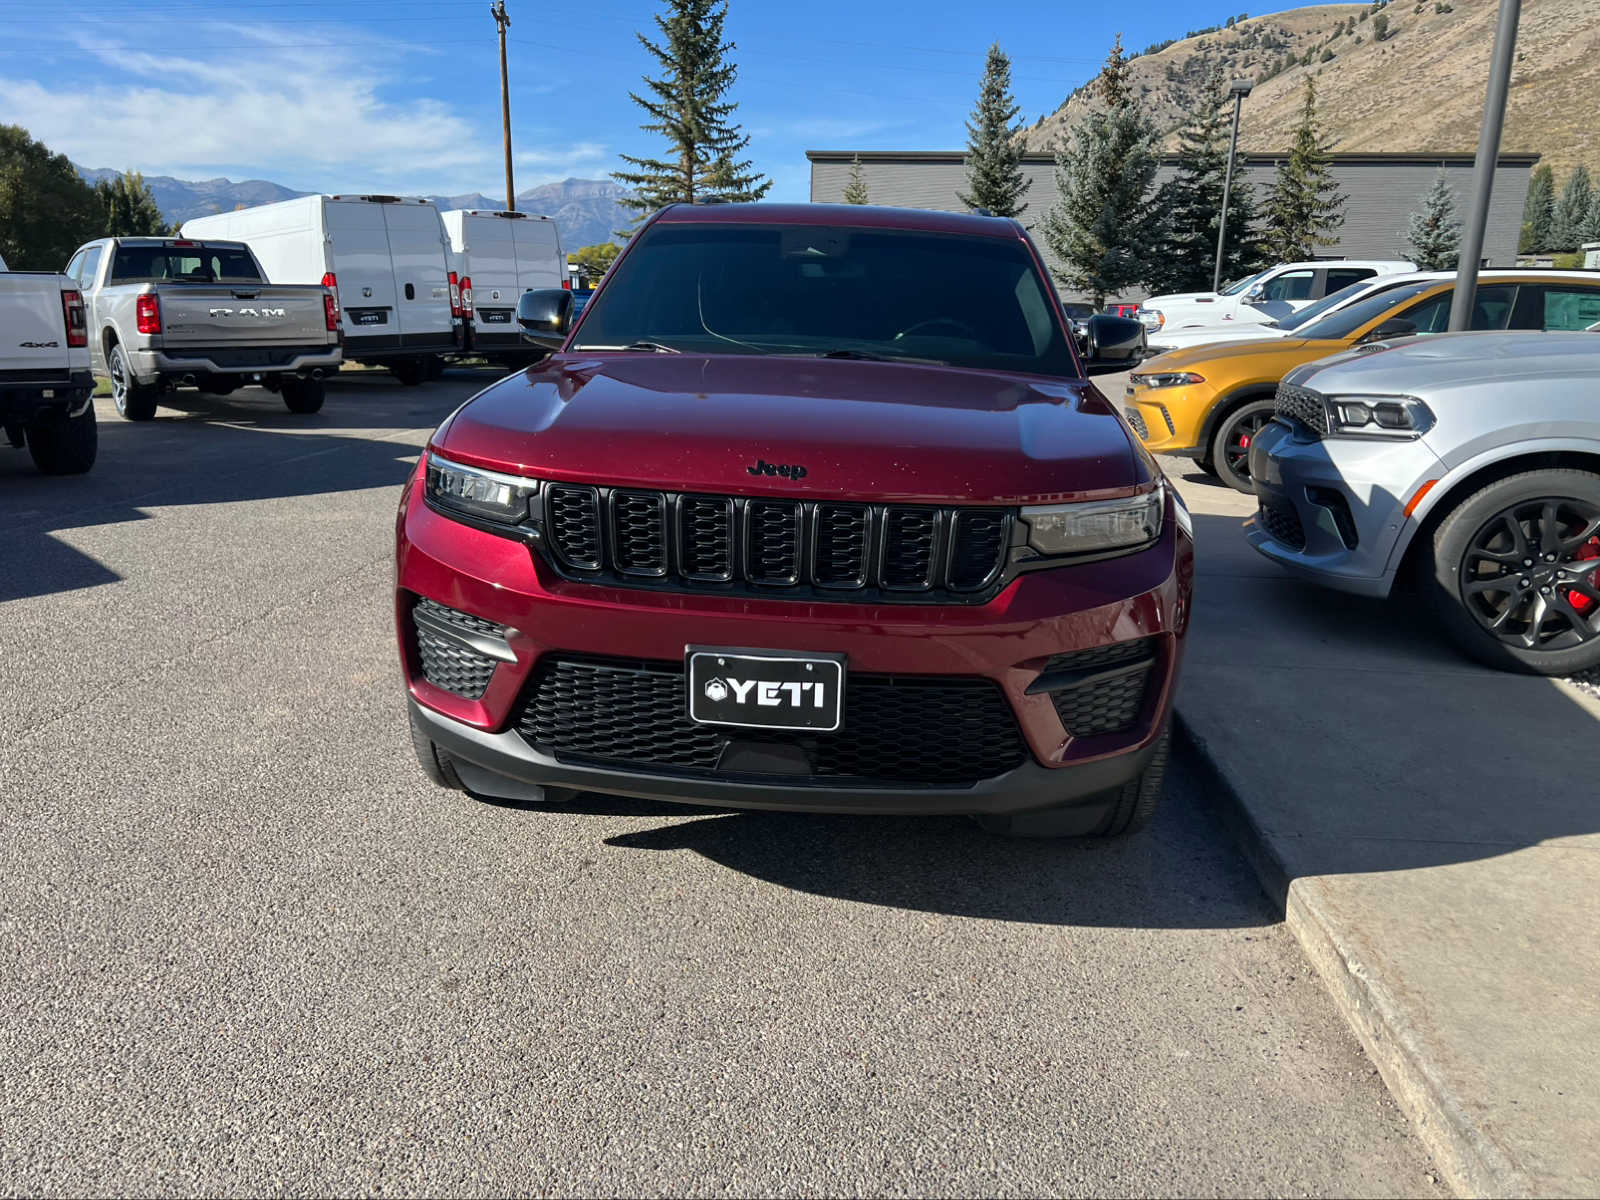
[1094, 527]
[1378, 416]
[475, 492]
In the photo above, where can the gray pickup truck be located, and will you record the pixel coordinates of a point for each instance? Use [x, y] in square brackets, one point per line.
[165, 312]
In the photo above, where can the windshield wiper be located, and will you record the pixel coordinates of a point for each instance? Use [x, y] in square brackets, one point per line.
[651, 347]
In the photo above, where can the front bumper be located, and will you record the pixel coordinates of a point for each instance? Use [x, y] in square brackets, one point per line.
[1333, 509]
[1168, 420]
[150, 365]
[1008, 641]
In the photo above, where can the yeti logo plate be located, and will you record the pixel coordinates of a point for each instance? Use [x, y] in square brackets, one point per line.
[765, 689]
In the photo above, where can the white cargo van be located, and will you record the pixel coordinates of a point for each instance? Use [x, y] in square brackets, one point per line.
[385, 257]
[500, 255]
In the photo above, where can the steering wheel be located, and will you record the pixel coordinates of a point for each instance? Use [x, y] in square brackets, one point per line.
[961, 328]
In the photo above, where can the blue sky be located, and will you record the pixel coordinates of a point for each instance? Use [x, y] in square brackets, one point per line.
[403, 95]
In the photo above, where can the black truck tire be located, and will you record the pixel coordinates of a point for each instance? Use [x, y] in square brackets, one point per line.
[64, 445]
[303, 395]
[135, 401]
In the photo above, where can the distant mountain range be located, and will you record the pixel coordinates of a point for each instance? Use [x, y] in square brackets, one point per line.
[585, 210]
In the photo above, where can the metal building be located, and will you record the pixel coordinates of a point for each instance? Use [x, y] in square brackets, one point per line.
[1381, 190]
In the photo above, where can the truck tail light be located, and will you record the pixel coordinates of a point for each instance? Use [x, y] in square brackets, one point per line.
[455, 295]
[331, 282]
[566, 283]
[466, 295]
[72, 311]
[330, 310]
[147, 313]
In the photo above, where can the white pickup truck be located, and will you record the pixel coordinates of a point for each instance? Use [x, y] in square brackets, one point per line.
[46, 390]
[165, 312]
[1186, 319]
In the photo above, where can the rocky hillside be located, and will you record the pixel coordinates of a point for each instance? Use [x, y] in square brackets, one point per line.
[1419, 88]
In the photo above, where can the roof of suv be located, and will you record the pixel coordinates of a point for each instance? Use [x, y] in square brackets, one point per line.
[860, 216]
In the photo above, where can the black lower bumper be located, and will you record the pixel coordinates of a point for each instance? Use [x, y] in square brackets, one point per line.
[503, 765]
[26, 396]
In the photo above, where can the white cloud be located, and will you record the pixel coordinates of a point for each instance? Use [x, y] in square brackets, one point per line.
[256, 101]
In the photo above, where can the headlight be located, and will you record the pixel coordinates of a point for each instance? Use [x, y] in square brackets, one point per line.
[1153, 318]
[1379, 416]
[1167, 379]
[474, 492]
[1056, 530]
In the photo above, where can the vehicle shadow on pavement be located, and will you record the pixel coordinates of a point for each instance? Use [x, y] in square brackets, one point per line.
[244, 447]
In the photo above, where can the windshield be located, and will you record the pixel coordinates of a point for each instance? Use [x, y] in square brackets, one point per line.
[187, 264]
[1239, 285]
[756, 289]
[1328, 303]
[1339, 325]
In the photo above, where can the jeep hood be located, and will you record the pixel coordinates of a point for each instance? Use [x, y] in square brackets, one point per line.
[858, 430]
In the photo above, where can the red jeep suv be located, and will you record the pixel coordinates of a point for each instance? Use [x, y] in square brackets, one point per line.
[812, 508]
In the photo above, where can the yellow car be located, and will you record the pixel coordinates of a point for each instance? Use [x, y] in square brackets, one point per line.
[1207, 402]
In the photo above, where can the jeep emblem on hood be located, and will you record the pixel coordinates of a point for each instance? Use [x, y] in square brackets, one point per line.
[787, 470]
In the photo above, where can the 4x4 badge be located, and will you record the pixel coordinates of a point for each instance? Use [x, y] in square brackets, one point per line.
[787, 470]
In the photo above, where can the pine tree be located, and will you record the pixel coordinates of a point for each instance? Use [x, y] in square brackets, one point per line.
[1572, 210]
[1191, 201]
[691, 109]
[1100, 228]
[1590, 230]
[1304, 208]
[130, 208]
[994, 156]
[1433, 231]
[1539, 212]
[855, 191]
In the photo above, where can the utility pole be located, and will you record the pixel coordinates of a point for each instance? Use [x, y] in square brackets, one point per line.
[1494, 116]
[1239, 90]
[501, 20]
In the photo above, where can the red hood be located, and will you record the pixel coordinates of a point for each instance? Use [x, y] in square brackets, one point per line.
[862, 430]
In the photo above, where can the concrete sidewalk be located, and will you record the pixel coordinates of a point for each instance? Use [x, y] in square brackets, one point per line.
[1432, 829]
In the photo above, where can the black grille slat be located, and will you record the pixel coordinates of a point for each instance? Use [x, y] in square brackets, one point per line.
[639, 532]
[705, 538]
[772, 542]
[1113, 697]
[575, 525]
[1282, 521]
[1136, 419]
[1302, 405]
[898, 730]
[841, 546]
[910, 543]
[448, 663]
[978, 539]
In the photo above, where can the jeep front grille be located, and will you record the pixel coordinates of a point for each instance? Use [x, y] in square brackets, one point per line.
[816, 549]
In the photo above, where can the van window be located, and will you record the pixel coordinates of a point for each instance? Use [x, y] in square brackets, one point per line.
[187, 264]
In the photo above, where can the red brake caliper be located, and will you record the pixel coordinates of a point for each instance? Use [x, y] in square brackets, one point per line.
[1582, 604]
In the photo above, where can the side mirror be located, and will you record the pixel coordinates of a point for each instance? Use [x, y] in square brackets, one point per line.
[1105, 341]
[1255, 295]
[545, 315]
[1394, 327]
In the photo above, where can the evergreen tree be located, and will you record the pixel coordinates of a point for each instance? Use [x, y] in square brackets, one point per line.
[130, 209]
[1590, 230]
[691, 109]
[1572, 210]
[1304, 208]
[855, 191]
[1191, 202]
[1100, 227]
[994, 156]
[1433, 231]
[1539, 211]
[46, 209]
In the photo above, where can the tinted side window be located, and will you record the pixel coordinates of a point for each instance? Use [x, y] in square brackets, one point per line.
[1343, 277]
[1491, 309]
[1292, 285]
[90, 267]
[1568, 308]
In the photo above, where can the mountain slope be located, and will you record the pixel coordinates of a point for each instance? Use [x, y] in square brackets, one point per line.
[1421, 89]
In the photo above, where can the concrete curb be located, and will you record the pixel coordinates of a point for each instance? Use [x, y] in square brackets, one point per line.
[1471, 1163]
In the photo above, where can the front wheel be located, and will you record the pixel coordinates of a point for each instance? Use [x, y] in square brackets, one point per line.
[66, 445]
[1515, 573]
[135, 401]
[1230, 446]
[1128, 807]
[303, 395]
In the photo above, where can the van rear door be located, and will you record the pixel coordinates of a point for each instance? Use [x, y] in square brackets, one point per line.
[493, 254]
[540, 263]
[359, 238]
[421, 273]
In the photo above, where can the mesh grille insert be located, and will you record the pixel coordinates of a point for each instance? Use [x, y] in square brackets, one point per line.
[575, 525]
[909, 537]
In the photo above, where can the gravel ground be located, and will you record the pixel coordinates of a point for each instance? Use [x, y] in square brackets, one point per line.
[246, 948]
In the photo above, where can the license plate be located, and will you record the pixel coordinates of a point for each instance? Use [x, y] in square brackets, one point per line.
[495, 316]
[765, 689]
[371, 317]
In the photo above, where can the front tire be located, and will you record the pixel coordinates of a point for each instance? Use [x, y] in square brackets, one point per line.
[1230, 445]
[435, 763]
[135, 401]
[303, 395]
[1515, 573]
[66, 446]
[1129, 806]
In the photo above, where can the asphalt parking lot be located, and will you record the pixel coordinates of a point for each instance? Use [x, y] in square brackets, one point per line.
[247, 948]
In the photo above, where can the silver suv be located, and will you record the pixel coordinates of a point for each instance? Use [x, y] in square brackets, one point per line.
[1471, 459]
